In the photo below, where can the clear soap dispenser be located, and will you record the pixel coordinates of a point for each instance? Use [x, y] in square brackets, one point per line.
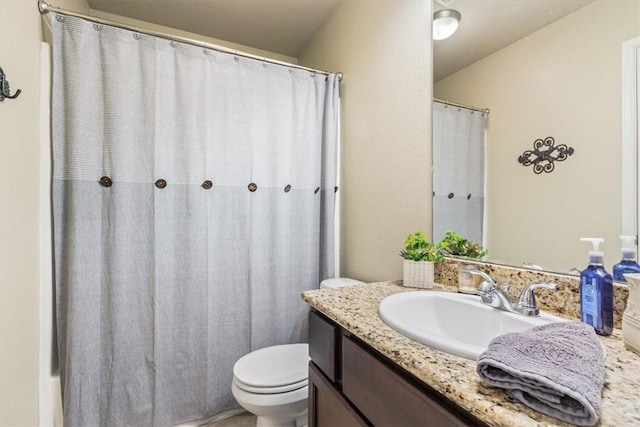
[596, 291]
[628, 263]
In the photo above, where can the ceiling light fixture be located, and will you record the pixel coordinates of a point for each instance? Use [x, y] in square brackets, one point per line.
[445, 23]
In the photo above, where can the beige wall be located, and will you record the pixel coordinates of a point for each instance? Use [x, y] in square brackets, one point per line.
[384, 50]
[20, 38]
[562, 81]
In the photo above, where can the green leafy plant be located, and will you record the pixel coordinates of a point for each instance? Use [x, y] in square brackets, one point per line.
[454, 244]
[418, 248]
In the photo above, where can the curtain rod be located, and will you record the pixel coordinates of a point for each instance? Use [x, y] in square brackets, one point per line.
[45, 8]
[453, 104]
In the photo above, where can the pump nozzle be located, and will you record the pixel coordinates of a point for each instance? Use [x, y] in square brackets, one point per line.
[595, 256]
[595, 241]
[628, 247]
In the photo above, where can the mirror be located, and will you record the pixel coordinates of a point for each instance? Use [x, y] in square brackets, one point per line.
[561, 81]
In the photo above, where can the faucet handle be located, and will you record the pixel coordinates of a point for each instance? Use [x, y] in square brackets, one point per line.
[486, 287]
[527, 302]
[486, 278]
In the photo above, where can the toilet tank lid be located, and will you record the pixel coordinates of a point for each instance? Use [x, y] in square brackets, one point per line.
[339, 282]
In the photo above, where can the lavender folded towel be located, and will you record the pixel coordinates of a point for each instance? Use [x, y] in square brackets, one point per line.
[557, 369]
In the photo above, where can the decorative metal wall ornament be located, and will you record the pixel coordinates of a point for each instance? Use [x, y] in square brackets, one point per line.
[544, 154]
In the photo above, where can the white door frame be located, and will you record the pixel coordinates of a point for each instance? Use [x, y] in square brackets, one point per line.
[630, 152]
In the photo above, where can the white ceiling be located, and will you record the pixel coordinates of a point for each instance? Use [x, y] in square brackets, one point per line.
[286, 26]
[490, 25]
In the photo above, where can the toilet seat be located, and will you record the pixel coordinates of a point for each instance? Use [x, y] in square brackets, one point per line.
[272, 370]
[270, 390]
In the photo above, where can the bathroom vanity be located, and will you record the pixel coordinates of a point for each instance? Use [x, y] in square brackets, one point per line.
[362, 372]
[351, 384]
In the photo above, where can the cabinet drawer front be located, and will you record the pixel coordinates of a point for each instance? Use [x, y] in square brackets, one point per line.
[327, 407]
[384, 397]
[323, 337]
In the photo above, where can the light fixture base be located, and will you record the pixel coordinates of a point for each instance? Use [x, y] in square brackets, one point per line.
[445, 23]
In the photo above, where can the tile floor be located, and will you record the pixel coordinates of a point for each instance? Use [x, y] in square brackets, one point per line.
[242, 420]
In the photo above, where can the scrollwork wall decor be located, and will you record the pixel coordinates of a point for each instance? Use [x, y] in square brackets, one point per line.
[544, 154]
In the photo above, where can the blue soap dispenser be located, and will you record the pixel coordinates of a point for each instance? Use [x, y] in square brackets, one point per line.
[628, 263]
[596, 291]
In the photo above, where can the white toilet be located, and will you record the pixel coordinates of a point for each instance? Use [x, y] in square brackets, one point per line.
[272, 383]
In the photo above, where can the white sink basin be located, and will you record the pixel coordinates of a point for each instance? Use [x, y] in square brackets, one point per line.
[454, 323]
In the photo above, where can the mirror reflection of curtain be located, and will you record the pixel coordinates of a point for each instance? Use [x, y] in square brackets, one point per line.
[458, 171]
[193, 200]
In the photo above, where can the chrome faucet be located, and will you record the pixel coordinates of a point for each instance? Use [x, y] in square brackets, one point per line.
[491, 295]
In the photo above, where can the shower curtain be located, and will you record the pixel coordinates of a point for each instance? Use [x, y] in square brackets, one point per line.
[458, 171]
[193, 199]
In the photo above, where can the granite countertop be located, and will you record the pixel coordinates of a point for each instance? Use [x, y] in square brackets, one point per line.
[356, 310]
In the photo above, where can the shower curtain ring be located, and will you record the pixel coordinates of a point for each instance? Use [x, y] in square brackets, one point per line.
[43, 7]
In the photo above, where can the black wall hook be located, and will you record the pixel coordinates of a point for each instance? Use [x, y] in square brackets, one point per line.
[5, 92]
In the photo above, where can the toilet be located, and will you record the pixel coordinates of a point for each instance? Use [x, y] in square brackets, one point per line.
[272, 382]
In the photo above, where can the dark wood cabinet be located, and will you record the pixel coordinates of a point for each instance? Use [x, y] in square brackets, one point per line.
[351, 384]
[327, 406]
[323, 341]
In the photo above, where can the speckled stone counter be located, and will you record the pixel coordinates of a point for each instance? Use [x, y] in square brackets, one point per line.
[565, 300]
[356, 310]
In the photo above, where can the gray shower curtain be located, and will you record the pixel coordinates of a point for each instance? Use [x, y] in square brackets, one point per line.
[193, 199]
[458, 171]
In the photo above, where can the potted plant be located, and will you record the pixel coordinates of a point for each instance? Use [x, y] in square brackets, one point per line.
[454, 244]
[419, 255]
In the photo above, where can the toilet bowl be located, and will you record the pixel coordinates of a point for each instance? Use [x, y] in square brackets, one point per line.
[272, 382]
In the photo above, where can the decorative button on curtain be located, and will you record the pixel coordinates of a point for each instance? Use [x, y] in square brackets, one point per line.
[167, 268]
[458, 171]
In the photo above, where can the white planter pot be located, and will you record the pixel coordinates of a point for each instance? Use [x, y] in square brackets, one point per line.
[417, 274]
[631, 316]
